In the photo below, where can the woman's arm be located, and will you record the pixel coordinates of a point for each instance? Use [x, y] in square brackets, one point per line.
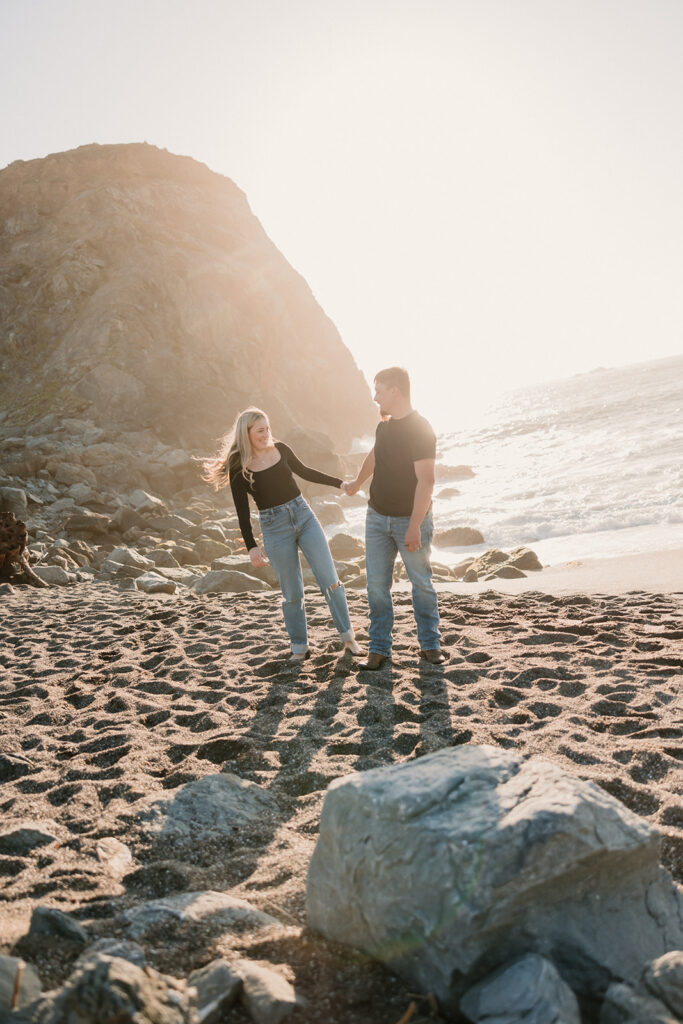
[312, 475]
[240, 495]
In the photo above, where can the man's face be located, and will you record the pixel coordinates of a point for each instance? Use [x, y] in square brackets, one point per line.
[385, 397]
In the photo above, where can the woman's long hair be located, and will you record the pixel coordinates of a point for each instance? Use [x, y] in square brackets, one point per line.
[234, 451]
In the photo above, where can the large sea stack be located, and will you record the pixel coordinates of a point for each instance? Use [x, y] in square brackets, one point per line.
[138, 291]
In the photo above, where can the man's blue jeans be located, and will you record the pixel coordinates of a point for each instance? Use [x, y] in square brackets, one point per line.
[285, 529]
[384, 539]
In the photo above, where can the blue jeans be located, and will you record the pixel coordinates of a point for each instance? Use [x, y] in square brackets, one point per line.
[384, 539]
[285, 529]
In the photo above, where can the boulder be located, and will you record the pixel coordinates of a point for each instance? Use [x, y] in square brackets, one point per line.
[128, 556]
[458, 537]
[528, 991]
[163, 558]
[124, 949]
[346, 547]
[664, 979]
[241, 563]
[471, 576]
[108, 989]
[144, 503]
[267, 997]
[218, 909]
[471, 856]
[461, 568]
[153, 583]
[506, 572]
[68, 473]
[85, 523]
[50, 921]
[215, 804]
[29, 984]
[625, 1005]
[225, 581]
[13, 499]
[206, 549]
[525, 558]
[217, 986]
[54, 575]
[329, 513]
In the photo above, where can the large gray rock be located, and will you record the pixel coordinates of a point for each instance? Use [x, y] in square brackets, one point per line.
[222, 581]
[529, 991]
[153, 583]
[54, 575]
[471, 857]
[241, 563]
[129, 556]
[191, 908]
[213, 804]
[28, 988]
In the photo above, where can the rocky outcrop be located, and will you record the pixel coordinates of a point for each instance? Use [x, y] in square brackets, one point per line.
[138, 288]
[448, 867]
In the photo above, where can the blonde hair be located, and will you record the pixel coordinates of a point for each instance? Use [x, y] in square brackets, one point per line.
[234, 451]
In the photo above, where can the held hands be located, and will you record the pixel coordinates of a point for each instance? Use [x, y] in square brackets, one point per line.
[350, 487]
[257, 558]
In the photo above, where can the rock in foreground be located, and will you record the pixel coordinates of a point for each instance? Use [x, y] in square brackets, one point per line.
[446, 867]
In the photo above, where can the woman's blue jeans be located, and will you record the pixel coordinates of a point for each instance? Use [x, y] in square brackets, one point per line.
[384, 539]
[285, 529]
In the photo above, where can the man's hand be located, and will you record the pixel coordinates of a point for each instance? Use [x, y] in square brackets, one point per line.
[350, 487]
[257, 558]
[413, 540]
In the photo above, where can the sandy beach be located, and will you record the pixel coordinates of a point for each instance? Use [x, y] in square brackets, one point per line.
[111, 696]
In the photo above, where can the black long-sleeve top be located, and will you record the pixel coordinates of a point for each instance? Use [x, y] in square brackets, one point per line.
[271, 487]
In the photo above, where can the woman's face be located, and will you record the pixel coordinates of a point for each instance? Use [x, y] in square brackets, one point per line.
[259, 435]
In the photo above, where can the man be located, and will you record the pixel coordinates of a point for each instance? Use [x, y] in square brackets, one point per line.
[399, 518]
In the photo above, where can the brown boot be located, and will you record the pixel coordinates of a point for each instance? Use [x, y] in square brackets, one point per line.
[435, 657]
[374, 661]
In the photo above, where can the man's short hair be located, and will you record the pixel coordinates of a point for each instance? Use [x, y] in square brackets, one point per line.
[395, 376]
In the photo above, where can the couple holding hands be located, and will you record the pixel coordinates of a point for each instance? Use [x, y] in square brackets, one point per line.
[399, 520]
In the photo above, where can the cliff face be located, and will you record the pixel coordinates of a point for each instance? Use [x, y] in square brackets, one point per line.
[138, 289]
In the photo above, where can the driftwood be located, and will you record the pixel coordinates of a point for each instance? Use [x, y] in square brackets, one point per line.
[13, 541]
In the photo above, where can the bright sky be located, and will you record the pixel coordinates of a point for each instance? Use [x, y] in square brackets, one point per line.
[488, 192]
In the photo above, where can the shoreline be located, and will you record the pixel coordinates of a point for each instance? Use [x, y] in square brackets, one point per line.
[653, 572]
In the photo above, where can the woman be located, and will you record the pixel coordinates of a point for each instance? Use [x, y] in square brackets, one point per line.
[253, 463]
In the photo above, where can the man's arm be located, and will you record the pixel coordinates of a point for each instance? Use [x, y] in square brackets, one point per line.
[424, 471]
[366, 470]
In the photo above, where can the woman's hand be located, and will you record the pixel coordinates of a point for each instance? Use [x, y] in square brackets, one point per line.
[350, 487]
[257, 558]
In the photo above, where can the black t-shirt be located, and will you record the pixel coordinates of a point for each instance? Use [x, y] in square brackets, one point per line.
[271, 487]
[398, 445]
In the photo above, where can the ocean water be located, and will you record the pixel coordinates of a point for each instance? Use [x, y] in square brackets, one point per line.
[588, 466]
